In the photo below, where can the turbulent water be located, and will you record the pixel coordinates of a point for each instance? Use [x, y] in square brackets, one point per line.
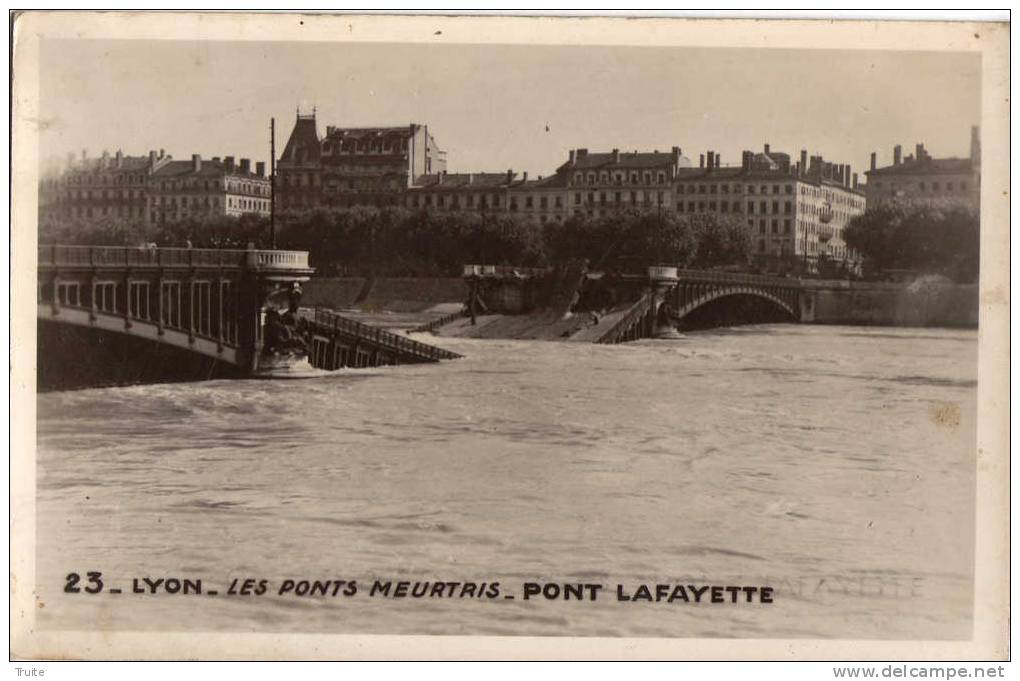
[834, 464]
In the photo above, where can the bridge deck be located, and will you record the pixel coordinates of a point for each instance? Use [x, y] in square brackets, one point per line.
[357, 344]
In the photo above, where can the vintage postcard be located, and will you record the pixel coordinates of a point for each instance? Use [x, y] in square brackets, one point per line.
[508, 337]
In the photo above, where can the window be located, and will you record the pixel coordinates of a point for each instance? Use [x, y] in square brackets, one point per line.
[786, 226]
[775, 226]
[577, 198]
[528, 202]
[788, 208]
[544, 202]
[789, 189]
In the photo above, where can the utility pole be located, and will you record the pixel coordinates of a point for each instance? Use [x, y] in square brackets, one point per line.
[272, 182]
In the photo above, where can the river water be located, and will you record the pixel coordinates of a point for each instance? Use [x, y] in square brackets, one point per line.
[834, 464]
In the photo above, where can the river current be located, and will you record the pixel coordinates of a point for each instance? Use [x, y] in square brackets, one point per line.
[833, 464]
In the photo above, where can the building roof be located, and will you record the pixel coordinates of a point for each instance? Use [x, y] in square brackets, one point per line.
[622, 160]
[209, 169]
[927, 166]
[303, 138]
[460, 181]
[362, 133]
[127, 163]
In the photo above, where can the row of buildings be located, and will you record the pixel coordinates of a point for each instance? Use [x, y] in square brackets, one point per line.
[795, 207]
[154, 189]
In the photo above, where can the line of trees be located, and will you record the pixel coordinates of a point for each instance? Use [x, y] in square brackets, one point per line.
[402, 242]
[944, 240]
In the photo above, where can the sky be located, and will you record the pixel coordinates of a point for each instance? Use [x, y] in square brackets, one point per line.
[495, 107]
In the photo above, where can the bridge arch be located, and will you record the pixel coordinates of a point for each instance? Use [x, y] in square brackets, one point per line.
[716, 294]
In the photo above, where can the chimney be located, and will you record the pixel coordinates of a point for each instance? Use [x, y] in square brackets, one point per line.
[701, 162]
[260, 168]
[229, 162]
[84, 155]
[766, 148]
[162, 153]
[510, 175]
[846, 175]
[919, 151]
[975, 145]
[855, 181]
[676, 154]
[803, 162]
[710, 160]
[581, 153]
[216, 159]
[718, 160]
[745, 159]
[525, 176]
[196, 163]
[245, 165]
[120, 159]
[874, 160]
[152, 160]
[616, 155]
[897, 155]
[573, 157]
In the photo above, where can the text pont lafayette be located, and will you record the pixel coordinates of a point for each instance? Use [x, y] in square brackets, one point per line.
[245, 587]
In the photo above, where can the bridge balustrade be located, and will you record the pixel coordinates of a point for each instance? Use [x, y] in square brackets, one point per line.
[332, 322]
[141, 256]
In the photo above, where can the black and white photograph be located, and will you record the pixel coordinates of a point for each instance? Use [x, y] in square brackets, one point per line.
[584, 332]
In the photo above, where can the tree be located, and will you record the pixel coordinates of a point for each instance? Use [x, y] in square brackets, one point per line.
[929, 240]
[722, 240]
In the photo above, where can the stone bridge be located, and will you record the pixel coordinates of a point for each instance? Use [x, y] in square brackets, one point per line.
[671, 294]
[122, 315]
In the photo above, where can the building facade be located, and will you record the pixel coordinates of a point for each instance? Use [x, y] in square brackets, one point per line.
[154, 189]
[353, 166]
[105, 187]
[202, 188]
[796, 211]
[920, 179]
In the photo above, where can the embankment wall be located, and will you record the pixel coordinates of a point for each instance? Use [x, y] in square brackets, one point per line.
[890, 304]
